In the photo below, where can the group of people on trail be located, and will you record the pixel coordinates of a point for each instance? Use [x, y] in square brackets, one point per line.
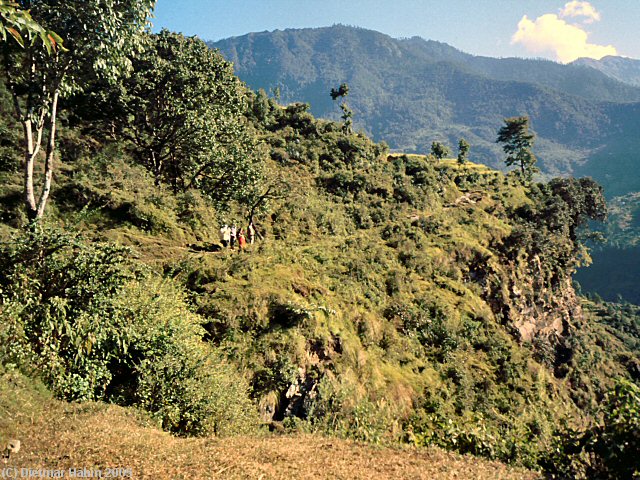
[230, 235]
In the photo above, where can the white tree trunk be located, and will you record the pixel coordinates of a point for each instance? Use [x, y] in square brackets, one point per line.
[48, 163]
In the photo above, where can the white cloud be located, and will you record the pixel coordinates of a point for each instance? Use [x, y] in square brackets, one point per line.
[576, 8]
[550, 33]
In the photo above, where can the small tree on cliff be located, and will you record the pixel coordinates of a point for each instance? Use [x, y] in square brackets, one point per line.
[439, 150]
[517, 143]
[463, 151]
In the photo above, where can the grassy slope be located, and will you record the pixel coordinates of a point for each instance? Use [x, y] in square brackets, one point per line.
[59, 435]
[340, 279]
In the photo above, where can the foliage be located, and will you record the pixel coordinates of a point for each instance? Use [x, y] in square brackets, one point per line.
[518, 143]
[381, 302]
[411, 91]
[606, 450]
[463, 150]
[80, 318]
[550, 228]
[198, 138]
[21, 26]
[439, 150]
[347, 113]
[341, 91]
[98, 36]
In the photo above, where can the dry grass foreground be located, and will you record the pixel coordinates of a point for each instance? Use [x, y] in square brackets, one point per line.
[57, 436]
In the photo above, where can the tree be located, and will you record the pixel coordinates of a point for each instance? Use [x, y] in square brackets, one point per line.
[518, 144]
[341, 92]
[608, 448]
[98, 36]
[183, 110]
[463, 151]
[439, 150]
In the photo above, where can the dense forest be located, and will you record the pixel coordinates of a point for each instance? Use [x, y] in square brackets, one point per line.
[388, 298]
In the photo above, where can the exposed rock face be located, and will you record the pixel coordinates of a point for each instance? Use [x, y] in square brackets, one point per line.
[303, 390]
[532, 301]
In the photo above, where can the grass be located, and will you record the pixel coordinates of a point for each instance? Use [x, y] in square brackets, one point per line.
[59, 435]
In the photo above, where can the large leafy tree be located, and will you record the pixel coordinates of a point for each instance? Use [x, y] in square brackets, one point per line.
[99, 36]
[517, 143]
[183, 112]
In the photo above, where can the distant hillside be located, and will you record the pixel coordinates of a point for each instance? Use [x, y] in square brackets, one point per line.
[626, 70]
[410, 92]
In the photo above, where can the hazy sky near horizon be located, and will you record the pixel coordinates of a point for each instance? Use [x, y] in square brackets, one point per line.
[559, 30]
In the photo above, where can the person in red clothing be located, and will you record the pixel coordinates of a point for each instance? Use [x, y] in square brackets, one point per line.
[242, 241]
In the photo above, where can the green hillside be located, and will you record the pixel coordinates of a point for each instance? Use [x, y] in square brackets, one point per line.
[408, 92]
[389, 298]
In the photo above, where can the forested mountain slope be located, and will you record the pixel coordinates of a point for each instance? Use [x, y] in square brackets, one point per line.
[410, 92]
[623, 69]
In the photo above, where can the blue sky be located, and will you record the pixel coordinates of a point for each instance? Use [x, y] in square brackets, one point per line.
[559, 30]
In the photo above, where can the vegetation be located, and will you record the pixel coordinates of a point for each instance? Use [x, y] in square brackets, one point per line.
[463, 151]
[607, 449]
[411, 91]
[390, 297]
[19, 24]
[93, 329]
[37, 79]
[347, 113]
[439, 151]
[518, 144]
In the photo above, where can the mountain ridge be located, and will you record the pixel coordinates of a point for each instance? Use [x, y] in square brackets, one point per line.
[410, 92]
[623, 69]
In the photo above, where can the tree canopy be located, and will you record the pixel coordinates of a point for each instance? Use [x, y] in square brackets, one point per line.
[439, 150]
[182, 110]
[99, 36]
[463, 150]
[518, 144]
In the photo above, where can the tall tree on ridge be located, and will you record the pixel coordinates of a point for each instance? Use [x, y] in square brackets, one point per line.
[98, 36]
[347, 113]
[518, 144]
[463, 151]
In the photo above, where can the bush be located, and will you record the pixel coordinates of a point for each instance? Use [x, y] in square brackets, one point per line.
[94, 328]
[607, 450]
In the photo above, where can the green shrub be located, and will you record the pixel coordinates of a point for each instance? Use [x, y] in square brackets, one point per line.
[94, 328]
[607, 450]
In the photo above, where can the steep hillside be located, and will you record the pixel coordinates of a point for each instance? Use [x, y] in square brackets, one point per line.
[410, 92]
[390, 298]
